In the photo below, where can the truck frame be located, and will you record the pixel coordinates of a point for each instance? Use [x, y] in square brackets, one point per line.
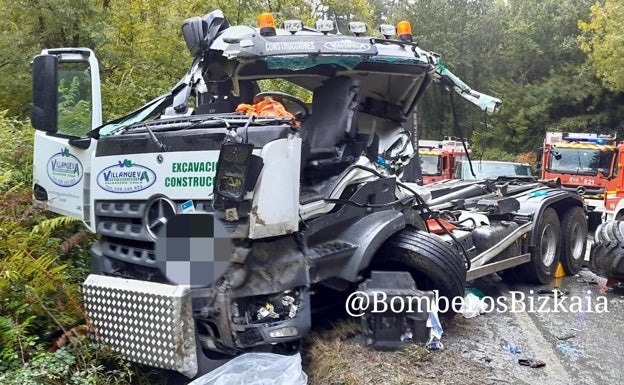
[221, 229]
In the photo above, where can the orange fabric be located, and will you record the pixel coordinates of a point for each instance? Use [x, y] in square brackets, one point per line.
[266, 107]
[435, 228]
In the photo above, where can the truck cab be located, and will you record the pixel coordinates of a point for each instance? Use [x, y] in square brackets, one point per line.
[269, 175]
[438, 159]
[584, 163]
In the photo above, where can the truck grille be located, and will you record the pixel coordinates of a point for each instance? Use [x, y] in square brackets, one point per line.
[145, 322]
[124, 236]
[249, 337]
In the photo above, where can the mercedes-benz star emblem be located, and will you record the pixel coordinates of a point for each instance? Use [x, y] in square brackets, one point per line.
[580, 190]
[157, 212]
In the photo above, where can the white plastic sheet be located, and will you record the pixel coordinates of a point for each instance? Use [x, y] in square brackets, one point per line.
[472, 306]
[257, 369]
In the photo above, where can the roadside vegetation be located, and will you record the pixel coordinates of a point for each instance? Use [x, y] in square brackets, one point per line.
[43, 260]
[556, 64]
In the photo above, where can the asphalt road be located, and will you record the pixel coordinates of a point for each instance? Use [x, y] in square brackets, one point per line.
[576, 332]
[579, 335]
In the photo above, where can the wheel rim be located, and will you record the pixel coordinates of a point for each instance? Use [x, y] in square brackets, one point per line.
[576, 251]
[549, 245]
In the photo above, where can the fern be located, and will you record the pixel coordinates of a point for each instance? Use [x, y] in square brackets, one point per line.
[74, 241]
[49, 225]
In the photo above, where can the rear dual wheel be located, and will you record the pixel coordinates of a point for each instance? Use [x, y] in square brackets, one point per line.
[556, 241]
[573, 239]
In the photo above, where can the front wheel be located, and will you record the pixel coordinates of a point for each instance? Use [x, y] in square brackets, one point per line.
[573, 239]
[432, 262]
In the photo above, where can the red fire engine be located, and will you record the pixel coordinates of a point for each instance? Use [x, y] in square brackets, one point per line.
[438, 158]
[614, 198]
[583, 162]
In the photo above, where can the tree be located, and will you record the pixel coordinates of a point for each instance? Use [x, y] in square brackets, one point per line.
[541, 77]
[603, 41]
[26, 27]
[465, 34]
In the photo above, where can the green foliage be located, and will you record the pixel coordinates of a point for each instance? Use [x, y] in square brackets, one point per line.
[603, 41]
[489, 153]
[74, 107]
[144, 54]
[28, 26]
[41, 268]
[81, 363]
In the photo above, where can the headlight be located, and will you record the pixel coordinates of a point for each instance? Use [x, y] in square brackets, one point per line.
[289, 331]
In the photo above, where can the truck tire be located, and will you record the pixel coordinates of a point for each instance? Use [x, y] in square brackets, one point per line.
[433, 263]
[573, 239]
[610, 231]
[607, 260]
[545, 256]
[599, 236]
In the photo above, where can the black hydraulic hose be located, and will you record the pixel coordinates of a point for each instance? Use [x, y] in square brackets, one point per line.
[422, 202]
[460, 134]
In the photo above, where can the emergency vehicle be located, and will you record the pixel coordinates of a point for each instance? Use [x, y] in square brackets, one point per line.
[583, 163]
[614, 204]
[439, 157]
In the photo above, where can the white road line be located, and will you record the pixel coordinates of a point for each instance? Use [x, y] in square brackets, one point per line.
[543, 349]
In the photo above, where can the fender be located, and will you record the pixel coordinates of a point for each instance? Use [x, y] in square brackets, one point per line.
[370, 233]
[340, 244]
[534, 202]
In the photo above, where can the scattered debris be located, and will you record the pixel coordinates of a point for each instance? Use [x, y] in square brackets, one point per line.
[532, 362]
[513, 349]
[588, 276]
[435, 331]
[388, 329]
[472, 306]
[257, 369]
[567, 349]
[566, 336]
[553, 292]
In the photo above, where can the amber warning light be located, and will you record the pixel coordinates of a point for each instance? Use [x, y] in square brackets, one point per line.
[404, 30]
[266, 22]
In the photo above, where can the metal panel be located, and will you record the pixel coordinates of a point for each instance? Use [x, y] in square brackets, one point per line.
[148, 323]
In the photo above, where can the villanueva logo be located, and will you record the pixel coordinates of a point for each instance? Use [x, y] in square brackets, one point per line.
[64, 169]
[126, 177]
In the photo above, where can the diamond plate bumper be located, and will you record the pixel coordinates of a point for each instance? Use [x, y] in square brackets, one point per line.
[148, 323]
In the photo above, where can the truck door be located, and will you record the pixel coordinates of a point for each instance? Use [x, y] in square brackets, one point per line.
[66, 107]
[615, 186]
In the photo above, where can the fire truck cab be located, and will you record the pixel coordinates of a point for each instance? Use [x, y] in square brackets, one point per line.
[583, 162]
[438, 158]
[614, 196]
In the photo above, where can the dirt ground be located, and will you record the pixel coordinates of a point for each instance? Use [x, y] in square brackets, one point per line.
[339, 357]
[578, 347]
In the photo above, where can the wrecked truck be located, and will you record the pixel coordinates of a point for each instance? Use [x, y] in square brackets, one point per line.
[218, 229]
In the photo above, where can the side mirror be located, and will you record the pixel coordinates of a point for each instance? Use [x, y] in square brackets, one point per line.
[193, 32]
[237, 172]
[556, 154]
[44, 109]
[200, 32]
[539, 158]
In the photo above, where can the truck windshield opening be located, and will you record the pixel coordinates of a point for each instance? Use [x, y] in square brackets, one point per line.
[581, 161]
[431, 164]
